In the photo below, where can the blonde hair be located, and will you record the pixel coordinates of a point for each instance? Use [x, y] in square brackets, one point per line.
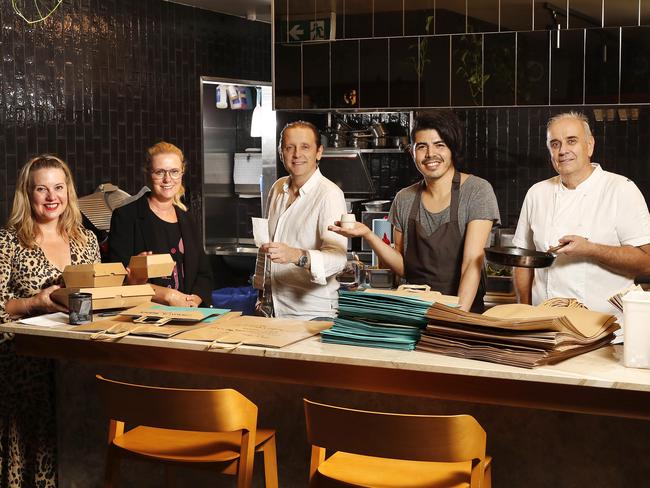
[163, 147]
[21, 219]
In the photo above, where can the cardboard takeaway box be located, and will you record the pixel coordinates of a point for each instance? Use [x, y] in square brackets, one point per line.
[151, 266]
[94, 275]
[110, 296]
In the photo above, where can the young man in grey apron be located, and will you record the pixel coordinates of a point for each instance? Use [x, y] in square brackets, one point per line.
[442, 223]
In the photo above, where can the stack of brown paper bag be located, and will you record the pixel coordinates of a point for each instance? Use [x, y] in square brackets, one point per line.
[516, 334]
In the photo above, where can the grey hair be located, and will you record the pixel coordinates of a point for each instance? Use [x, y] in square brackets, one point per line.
[579, 116]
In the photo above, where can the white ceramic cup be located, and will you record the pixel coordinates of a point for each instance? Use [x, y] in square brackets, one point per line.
[348, 221]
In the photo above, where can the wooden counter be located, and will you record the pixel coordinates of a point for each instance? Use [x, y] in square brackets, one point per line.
[595, 382]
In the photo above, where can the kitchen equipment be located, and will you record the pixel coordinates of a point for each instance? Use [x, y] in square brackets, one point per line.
[380, 141]
[366, 219]
[378, 130]
[380, 278]
[522, 258]
[247, 171]
[337, 140]
[360, 141]
[636, 347]
[353, 275]
[377, 205]
[384, 230]
[399, 141]
[348, 171]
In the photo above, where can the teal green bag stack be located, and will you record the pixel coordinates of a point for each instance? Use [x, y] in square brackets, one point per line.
[377, 320]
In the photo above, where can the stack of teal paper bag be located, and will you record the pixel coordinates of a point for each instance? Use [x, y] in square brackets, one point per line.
[377, 320]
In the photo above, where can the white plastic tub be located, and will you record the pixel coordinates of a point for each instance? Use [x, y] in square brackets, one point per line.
[636, 320]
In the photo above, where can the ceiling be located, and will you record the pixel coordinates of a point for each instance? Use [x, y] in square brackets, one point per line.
[251, 9]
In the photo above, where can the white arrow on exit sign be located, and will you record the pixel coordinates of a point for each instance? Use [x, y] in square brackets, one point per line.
[296, 32]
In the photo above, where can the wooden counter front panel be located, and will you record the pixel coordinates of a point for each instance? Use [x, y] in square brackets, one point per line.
[529, 394]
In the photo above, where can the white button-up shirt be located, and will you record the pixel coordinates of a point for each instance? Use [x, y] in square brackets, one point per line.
[307, 293]
[607, 209]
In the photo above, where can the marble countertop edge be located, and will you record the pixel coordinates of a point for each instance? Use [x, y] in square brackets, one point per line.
[602, 368]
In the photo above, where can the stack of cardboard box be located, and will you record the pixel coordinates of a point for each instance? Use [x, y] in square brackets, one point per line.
[104, 281]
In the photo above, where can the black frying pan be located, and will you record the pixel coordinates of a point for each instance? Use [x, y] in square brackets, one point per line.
[521, 258]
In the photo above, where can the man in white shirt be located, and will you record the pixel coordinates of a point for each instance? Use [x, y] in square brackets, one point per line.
[305, 256]
[601, 217]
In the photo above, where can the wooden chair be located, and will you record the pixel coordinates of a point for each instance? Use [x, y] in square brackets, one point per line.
[216, 429]
[382, 450]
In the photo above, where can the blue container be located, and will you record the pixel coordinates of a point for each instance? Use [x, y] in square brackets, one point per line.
[239, 299]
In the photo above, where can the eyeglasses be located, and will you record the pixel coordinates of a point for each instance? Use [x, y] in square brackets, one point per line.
[159, 174]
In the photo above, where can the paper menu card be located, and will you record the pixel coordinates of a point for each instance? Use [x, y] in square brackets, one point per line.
[175, 314]
[55, 319]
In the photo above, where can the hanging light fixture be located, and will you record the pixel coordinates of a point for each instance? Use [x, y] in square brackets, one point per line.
[257, 121]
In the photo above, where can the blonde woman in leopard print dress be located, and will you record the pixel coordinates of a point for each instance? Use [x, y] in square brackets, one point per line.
[42, 236]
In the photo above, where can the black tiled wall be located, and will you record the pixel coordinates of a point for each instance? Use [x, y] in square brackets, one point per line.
[507, 147]
[101, 80]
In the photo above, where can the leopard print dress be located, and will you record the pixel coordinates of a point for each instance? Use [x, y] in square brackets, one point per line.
[27, 389]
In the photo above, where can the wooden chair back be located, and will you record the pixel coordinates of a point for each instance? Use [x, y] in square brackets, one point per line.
[223, 410]
[441, 438]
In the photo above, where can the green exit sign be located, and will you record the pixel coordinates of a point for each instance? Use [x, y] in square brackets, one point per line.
[306, 30]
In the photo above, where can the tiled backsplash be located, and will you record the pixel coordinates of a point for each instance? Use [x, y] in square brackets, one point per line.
[508, 148]
[101, 80]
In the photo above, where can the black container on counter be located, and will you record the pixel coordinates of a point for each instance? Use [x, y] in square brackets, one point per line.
[81, 308]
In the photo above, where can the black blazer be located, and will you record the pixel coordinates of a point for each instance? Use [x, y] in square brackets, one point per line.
[132, 233]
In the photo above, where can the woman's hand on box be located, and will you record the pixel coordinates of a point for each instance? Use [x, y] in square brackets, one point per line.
[42, 302]
[176, 298]
[133, 280]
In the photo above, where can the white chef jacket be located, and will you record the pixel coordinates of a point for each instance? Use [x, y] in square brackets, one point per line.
[307, 293]
[607, 209]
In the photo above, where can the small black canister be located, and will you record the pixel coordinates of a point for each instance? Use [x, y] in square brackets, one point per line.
[81, 308]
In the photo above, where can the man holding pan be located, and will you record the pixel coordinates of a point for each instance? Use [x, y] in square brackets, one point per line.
[600, 218]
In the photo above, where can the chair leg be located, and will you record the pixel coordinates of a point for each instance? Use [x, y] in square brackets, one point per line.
[487, 478]
[170, 479]
[112, 469]
[270, 464]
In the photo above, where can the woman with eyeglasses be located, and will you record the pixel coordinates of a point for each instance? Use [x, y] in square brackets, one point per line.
[158, 223]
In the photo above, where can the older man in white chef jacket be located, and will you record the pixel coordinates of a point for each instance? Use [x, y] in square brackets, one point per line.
[305, 255]
[601, 217]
